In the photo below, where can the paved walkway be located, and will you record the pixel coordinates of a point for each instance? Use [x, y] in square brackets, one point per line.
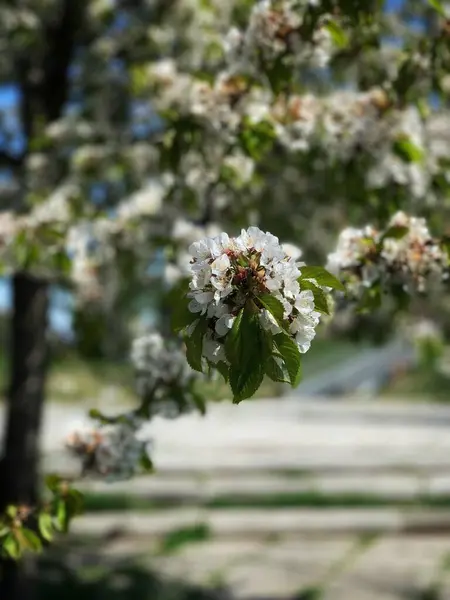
[276, 448]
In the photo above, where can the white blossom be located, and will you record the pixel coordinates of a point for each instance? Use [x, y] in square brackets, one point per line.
[110, 451]
[226, 272]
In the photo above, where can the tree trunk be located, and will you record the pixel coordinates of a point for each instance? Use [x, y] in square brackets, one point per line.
[19, 465]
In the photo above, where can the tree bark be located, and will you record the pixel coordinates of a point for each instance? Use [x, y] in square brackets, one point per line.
[20, 464]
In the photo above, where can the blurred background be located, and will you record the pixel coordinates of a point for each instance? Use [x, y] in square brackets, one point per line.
[339, 489]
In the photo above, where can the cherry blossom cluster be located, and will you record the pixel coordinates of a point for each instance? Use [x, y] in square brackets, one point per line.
[111, 451]
[404, 253]
[228, 272]
[275, 30]
[164, 380]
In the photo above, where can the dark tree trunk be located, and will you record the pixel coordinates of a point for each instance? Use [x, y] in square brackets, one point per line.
[19, 466]
[44, 85]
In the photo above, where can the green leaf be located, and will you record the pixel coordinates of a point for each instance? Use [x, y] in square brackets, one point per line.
[200, 402]
[61, 515]
[274, 306]
[257, 138]
[322, 277]
[194, 346]
[291, 357]
[96, 415]
[45, 524]
[53, 482]
[11, 511]
[4, 530]
[437, 5]
[63, 262]
[275, 370]
[232, 340]
[146, 463]
[407, 150]
[75, 502]
[371, 299]
[31, 540]
[320, 297]
[247, 355]
[445, 245]
[11, 546]
[223, 370]
[182, 316]
[245, 381]
[338, 35]
[396, 232]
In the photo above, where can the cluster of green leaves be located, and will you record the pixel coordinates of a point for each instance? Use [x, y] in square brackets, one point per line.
[28, 529]
[253, 353]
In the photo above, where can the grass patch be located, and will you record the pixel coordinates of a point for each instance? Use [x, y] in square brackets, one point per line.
[178, 538]
[98, 502]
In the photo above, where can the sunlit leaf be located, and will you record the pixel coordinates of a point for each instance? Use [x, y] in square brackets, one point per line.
[291, 357]
[322, 277]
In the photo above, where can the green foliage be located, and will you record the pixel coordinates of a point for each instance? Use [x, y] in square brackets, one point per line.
[246, 351]
[276, 370]
[291, 356]
[320, 297]
[178, 538]
[322, 277]
[338, 35]
[257, 138]
[182, 317]
[408, 151]
[194, 346]
[274, 306]
[438, 7]
[396, 232]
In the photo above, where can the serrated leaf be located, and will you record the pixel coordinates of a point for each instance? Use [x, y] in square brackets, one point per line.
[407, 150]
[274, 306]
[45, 524]
[291, 357]
[322, 277]
[232, 341]
[247, 356]
[275, 370]
[11, 546]
[30, 540]
[320, 297]
[246, 381]
[194, 346]
[338, 35]
[223, 370]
